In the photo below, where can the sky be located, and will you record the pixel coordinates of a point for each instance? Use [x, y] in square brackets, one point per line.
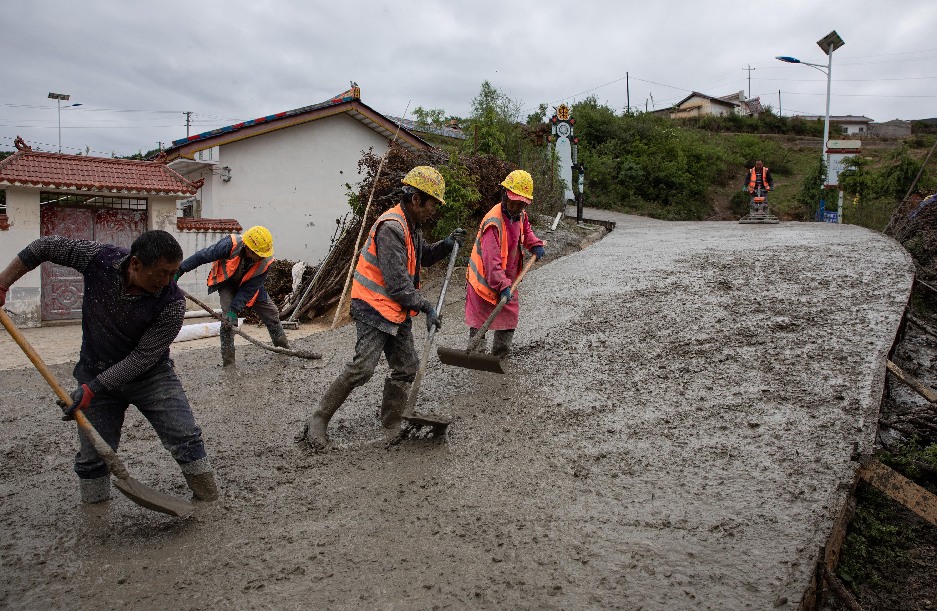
[133, 69]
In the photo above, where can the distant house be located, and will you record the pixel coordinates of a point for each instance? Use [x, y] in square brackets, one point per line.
[701, 105]
[289, 171]
[848, 125]
[91, 198]
[449, 132]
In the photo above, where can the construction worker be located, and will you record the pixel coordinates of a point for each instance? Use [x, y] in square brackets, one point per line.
[384, 296]
[131, 312]
[240, 264]
[758, 177]
[497, 258]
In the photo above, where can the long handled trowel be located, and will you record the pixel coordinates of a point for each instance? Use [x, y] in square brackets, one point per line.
[413, 421]
[137, 492]
[469, 358]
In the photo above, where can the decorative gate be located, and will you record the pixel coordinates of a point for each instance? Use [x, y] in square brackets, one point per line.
[62, 287]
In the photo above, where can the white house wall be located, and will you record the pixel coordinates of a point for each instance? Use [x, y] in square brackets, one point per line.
[292, 181]
[24, 299]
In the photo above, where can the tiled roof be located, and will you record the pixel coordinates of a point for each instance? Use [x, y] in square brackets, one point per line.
[60, 171]
[348, 101]
[413, 126]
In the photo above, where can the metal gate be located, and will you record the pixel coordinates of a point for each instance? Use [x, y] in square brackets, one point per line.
[62, 286]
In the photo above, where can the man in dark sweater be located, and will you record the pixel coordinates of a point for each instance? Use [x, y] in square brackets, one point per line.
[131, 311]
[384, 296]
[239, 269]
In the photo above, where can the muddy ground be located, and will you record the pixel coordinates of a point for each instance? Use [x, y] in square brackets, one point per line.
[674, 432]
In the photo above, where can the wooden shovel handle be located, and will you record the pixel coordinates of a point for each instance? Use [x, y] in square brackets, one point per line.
[104, 451]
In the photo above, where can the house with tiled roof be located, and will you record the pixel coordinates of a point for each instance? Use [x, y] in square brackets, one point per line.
[92, 198]
[289, 171]
[849, 125]
[701, 105]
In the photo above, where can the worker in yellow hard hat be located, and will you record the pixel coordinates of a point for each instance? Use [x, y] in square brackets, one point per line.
[239, 268]
[496, 260]
[384, 296]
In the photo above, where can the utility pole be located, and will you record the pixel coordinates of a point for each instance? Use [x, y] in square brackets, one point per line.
[749, 79]
[188, 122]
[628, 91]
[780, 114]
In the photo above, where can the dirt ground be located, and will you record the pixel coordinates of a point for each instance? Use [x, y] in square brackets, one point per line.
[674, 432]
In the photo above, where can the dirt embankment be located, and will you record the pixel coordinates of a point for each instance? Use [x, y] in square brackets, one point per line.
[674, 432]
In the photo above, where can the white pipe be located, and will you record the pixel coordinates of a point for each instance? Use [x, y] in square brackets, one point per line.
[201, 330]
[199, 313]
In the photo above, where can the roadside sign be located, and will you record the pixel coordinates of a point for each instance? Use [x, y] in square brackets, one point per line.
[830, 217]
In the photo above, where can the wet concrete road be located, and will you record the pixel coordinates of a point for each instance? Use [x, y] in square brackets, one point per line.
[674, 433]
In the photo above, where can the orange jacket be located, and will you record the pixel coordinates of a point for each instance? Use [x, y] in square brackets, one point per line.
[753, 177]
[475, 273]
[224, 269]
[368, 284]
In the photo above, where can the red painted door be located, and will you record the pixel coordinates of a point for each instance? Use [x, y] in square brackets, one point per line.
[62, 287]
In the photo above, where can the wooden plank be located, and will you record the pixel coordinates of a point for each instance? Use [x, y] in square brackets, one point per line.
[911, 381]
[917, 499]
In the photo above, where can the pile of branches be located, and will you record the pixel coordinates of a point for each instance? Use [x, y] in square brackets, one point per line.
[914, 225]
[325, 292]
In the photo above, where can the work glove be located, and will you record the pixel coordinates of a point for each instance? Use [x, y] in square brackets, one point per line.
[433, 319]
[506, 294]
[230, 319]
[3, 294]
[81, 398]
[456, 237]
[177, 275]
[538, 252]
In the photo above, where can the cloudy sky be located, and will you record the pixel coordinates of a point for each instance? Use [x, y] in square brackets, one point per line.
[136, 67]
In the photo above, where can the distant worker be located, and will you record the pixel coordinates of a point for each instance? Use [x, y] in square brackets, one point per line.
[131, 312]
[240, 264]
[497, 259]
[384, 296]
[758, 177]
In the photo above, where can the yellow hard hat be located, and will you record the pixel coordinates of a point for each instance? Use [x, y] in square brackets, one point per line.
[259, 240]
[428, 180]
[520, 186]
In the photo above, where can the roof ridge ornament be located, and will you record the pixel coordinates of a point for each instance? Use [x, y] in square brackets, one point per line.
[21, 145]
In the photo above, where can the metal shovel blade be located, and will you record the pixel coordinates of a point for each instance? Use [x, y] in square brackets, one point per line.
[143, 495]
[470, 360]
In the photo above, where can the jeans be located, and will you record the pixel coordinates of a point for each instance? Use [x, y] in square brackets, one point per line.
[159, 396]
[402, 358]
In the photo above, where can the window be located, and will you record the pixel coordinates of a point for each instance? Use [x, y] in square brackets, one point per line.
[97, 201]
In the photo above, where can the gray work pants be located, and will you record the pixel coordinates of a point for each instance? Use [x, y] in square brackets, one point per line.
[402, 357]
[266, 310]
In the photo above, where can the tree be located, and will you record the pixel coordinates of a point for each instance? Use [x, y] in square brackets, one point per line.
[493, 124]
[429, 117]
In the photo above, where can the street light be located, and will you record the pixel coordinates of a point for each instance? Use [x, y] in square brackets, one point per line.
[828, 43]
[58, 97]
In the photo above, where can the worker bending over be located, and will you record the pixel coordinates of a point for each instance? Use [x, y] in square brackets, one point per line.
[384, 296]
[497, 259]
[130, 313]
[239, 268]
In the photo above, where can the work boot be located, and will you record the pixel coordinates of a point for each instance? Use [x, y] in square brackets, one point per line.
[280, 340]
[95, 490]
[501, 345]
[314, 431]
[394, 402]
[482, 347]
[201, 480]
[227, 346]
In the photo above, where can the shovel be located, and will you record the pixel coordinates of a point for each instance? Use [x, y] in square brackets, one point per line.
[470, 359]
[411, 420]
[137, 492]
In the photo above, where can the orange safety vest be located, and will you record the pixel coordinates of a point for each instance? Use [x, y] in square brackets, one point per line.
[223, 269]
[368, 284]
[752, 178]
[475, 273]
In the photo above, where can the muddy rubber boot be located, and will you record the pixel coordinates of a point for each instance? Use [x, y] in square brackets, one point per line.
[280, 340]
[201, 480]
[483, 346]
[227, 346]
[501, 345]
[314, 432]
[95, 490]
[393, 403]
